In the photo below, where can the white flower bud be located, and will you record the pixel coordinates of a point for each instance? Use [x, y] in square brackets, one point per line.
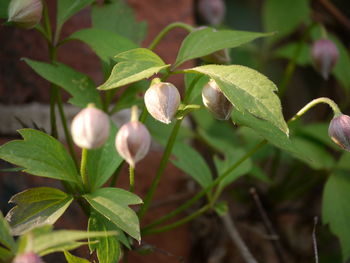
[27, 257]
[25, 13]
[133, 142]
[162, 101]
[90, 128]
[212, 11]
[215, 101]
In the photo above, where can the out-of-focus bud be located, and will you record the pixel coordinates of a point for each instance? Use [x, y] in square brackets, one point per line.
[325, 55]
[28, 257]
[339, 131]
[219, 57]
[132, 142]
[215, 101]
[90, 128]
[212, 12]
[25, 13]
[162, 101]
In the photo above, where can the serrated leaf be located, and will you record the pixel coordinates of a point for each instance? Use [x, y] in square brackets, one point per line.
[37, 207]
[104, 161]
[67, 8]
[191, 162]
[6, 238]
[74, 259]
[79, 86]
[113, 204]
[116, 16]
[247, 90]
[134, 65]
[105, 44]
[42, 155]
[336, 211]
[203, 42]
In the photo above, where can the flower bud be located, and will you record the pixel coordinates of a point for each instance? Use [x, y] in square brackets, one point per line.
[28, 257]
[219, 57]
[212, 12]
[25, 13]
[215, 101]
[132, 142]
[90, 128]
[339, 131]
[325, 55]
[162, 101]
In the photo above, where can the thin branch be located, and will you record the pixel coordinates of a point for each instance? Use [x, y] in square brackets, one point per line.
[336, 13]
[314, 240]
[237, 239]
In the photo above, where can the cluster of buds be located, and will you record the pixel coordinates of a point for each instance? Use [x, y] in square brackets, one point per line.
[325, 55]
[27, 257]
[339, 131]
[212, 12]
[25, 13]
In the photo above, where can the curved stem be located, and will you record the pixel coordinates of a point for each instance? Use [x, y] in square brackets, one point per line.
[132, 178]
[83, 173]
[166, 30]
[331, 103]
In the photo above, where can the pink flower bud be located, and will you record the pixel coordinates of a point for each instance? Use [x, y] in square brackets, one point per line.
[25, 13]
[90, 128]
[339, 131]
[325, 55]
[215, 101]
[212, 11]
[28, 257]
[132, 142]
[162, 101]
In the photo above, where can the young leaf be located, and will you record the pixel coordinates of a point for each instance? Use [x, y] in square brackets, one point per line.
[105, 44]
[191, 162]
[203, 42]
[67, 8]
[73, 259]
[113, 204]
[41, 155]
[247, 90]
[104, 161]
[134, 65]
[80, 86]
[116, 16]
[335, 209]
[37, 207]
[6, 238]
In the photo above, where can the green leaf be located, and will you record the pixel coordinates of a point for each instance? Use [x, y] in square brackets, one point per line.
[108, 247]
[73, 259]
[5, 254]
[116, 16]
[288, 52]
[203, 42]
[62, 239]
[191, 162]
[6, 238]
[342, 69]
[105, 44]
[41, 155]
[284, 16]
[3, 8]
[102, 162]
[37, 207]
[134, 65]
[336, 210]
[80, 86]
[248, 90]
[67, 8]
[113, 204]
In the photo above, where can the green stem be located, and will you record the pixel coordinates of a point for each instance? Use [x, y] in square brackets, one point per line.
[83, 173]
[199, 195]
[166, 30]
[331, 103]
[177, 223]
[134, 113]
[132, 178]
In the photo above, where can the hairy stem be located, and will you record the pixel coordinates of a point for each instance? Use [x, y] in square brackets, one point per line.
[83, 173]
[132, 178]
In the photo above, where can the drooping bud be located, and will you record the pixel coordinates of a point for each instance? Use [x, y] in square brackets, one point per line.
[90, 128]
[133, 142]
[325, 55]
[25, 13]
[162, 101]
[339, 131]
[28, 257]
[212, 12]
[215, 101]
